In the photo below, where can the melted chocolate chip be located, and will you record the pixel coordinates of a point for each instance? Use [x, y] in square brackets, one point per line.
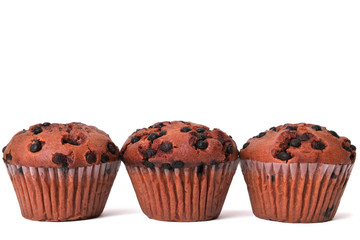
[352, 157]
[166, 166]
[291, 128]
[334, 134]
[347, 148]
[37, 130]
[353, 147]
[107, 169]
[178, 164]
[166, 146]
[90, 157]
[202, 145]
[214, 162]
[35, 146]
[201, 136]
[328, 211]
[160, 125]
[229, 149]
[153, 136]
[104, 158]
[162, 133]
[111, 147]
[245, 145]
[283, 156]
[295, 143]
[60, 159]
[20, 171]
[3, 149]
[316, 127]
[200, 169]
[73, 141]
[304, 137]
[135, 139]
[273, 178]
[46, 124]
[318, 145]
[273, 129]
[8, 157]
[150, 153]
[185, 129]
[333, 175]
[200, 130]
[148, 164]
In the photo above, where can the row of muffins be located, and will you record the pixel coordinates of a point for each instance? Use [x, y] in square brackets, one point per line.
[180, 171]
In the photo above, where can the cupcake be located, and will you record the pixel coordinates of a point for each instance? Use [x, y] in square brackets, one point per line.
[61, 172]
[297, 172]
[180, 171]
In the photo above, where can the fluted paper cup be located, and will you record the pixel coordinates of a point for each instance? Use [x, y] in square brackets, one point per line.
[295, 192]
[182, 194]
[62, 194]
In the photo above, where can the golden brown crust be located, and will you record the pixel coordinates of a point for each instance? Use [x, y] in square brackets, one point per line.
[60, 145]
[178, 144]
[302, 143]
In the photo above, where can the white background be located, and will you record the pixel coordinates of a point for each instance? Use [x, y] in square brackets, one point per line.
[241, 66]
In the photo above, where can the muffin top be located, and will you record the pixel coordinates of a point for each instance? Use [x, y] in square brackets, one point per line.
[60, 145]
[178, 144]
[299, 143]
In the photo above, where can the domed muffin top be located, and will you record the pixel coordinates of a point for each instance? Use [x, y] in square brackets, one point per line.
[60, 145]
[178, 144]
[299, 143]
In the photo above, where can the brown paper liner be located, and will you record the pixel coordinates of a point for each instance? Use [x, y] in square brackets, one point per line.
[295, 192]
[57, 194]
[182, 194]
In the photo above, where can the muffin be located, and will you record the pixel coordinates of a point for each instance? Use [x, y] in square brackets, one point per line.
[297, 172]
[61, 172]
[180, 171]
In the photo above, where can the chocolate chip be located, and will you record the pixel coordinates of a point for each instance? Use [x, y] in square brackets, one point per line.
[185, 129]
[70, 140]
[3, 149]
[166, 146]
[178, 164]
[353, 147]
[229, 149]
[283, 156]
[304, 137]
[261, 134]
[46, 124]
[318, 145]
[316, 127]
[334, 134]
[111, 147]
[200, 130]
[37, 130]
[104, 158]
[148, 164]
[245, 145]
[162, 133]
[8, 157]
[90, 157]
[214, 162]
[291, 128]
[347, 148]
[153, 136]
[333, 175]
[200, 169]
[150, 153]
[273, 129]
[20, 170]
[295, 143]
[60, 159]
[160, 125]
[35, 146]
[166, 166]
[202, 145]
[201, 136]
[135, 139]
[352, 157]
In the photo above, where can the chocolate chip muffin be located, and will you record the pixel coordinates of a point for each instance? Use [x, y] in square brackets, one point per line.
[297, 172]
[180, 171]
[61, 172]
